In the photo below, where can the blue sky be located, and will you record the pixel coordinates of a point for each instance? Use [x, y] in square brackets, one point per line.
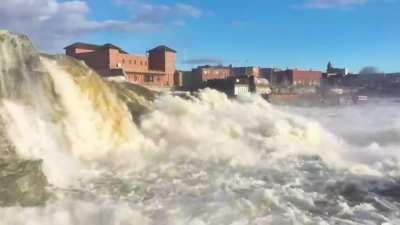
[280, 33]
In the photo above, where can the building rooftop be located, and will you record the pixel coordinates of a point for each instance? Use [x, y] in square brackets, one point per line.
[95, 47]
[83, 45]
[162, 48]
[393, 74]
[213, 67]
[108, 45]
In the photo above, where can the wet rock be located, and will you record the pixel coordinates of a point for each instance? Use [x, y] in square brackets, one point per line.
[138, 99]
[22, 182]
[352, 192]
[390, 190]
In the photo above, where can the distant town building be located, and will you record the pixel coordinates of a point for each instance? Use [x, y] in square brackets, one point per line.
[205, 73]
[364, 80]
[392, 84]
[263, 80]
[267, 73]
[332, 71]
[334, 76]
[392, 78]
[295, 77]
[245, 71]
[233, 86]
[230, 80]
[200, 75]
[188, 81]
[156, 68]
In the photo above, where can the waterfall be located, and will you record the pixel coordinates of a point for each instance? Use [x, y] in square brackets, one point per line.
[76, 149]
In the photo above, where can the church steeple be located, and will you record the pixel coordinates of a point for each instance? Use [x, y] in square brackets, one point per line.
[329, 66]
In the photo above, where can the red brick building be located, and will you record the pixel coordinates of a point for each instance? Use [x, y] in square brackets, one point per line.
[305, 78]
[205, 73]
[245, 71]
[157, 68]
[200, 75]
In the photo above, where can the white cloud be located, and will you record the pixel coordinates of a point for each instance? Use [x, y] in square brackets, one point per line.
[329, 4]
[147, 12]
[203, 61]
[189, 10]
[52, 24]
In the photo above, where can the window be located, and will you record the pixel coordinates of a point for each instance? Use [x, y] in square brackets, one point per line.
[130, 61]
[134, 62]
[141, 63]
[149, 78]
[123, 61]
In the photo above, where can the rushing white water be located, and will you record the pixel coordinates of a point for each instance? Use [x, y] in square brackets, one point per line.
[206, 160]
[217, 161]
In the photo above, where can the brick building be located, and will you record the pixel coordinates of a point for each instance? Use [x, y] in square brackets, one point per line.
[204, 73]
[392, 78]
[267, 73]
[198, 77]
[373, 80]
[300, 78]
[245, 71]
[156, 68]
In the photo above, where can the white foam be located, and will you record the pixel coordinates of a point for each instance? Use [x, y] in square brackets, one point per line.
[207, 160]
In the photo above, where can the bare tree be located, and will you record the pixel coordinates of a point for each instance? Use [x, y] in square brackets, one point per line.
[369, 70]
